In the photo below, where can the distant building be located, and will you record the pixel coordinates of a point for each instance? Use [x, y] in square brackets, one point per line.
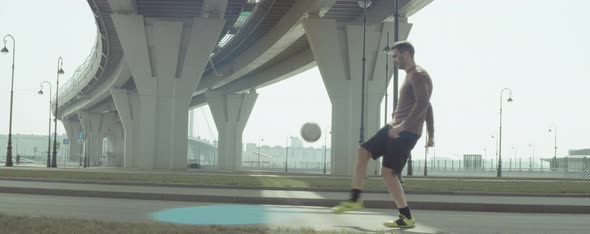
[32, 147]
[473, 161]
[576, 159]
[579, 152]
[275, 156]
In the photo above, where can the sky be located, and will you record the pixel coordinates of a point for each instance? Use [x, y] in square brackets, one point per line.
[471, 48]
[42, 33]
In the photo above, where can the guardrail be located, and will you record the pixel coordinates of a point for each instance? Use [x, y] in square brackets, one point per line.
[93, 66]
[82, 75]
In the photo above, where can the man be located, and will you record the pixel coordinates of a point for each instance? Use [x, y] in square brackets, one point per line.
[396, 140]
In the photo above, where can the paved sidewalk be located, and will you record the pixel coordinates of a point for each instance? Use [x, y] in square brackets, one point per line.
[310, 197]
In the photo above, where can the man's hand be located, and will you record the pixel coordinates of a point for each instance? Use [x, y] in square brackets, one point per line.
[429, 142]
[394, 132]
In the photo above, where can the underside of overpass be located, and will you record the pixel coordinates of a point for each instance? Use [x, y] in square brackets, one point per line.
[155, 59]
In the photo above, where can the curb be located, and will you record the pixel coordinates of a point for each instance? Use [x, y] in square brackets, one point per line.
[186, 185]
[561, 209]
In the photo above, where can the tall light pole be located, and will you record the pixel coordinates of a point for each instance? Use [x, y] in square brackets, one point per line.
[387, 51]
[326, 150]
[554, 145]
[500, 133]
[287, 155]
[259, 140]
[214, 152]
[396, 16]
[49, 135]
[515, 148]
[532, 157]
[5, 51]
[60, 71]
[363, 4]
[485, 154]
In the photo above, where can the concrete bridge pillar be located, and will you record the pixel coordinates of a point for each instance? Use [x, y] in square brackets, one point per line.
[73, 129]
[338, 53]
[91, 123]
[231, 113]
[166, 59]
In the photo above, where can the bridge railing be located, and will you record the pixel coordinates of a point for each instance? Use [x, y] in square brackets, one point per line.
[83, 74]
[93, 66]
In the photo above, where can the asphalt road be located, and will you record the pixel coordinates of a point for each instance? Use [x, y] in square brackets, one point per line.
[319, 218]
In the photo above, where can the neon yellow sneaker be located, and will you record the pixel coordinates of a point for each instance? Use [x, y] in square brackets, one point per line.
[346, 206]
[402, 222]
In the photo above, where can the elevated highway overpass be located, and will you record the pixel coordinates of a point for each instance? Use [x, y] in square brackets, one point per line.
[155, 59]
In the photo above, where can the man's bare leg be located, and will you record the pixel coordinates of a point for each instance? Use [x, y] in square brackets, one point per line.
[397, 193]
[394, 187]
[360, 172]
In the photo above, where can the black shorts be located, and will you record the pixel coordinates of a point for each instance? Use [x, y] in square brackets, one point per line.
[395, 152]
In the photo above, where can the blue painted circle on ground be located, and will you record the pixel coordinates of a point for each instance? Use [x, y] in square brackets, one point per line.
[225, 215]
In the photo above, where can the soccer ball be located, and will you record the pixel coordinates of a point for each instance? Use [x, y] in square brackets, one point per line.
[311, 132]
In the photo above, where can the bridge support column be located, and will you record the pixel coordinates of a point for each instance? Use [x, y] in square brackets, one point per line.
[166, 59]
[73, 129]
[338, 53]
[93, 143]
[126, 103]
[231, 113]
[115, 136]
[108, 123]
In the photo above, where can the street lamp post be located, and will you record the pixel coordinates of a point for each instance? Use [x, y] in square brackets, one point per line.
[259, 140]
[49, 135]
[500, 133]
[326, 150]
[387, 50]
[214, 152]
[287, 155]
[554, 145]
[532, 158]
[515, 148]
[363, 4]
[396, 18]
[60, 71]
[5, 51]
[325, 156]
